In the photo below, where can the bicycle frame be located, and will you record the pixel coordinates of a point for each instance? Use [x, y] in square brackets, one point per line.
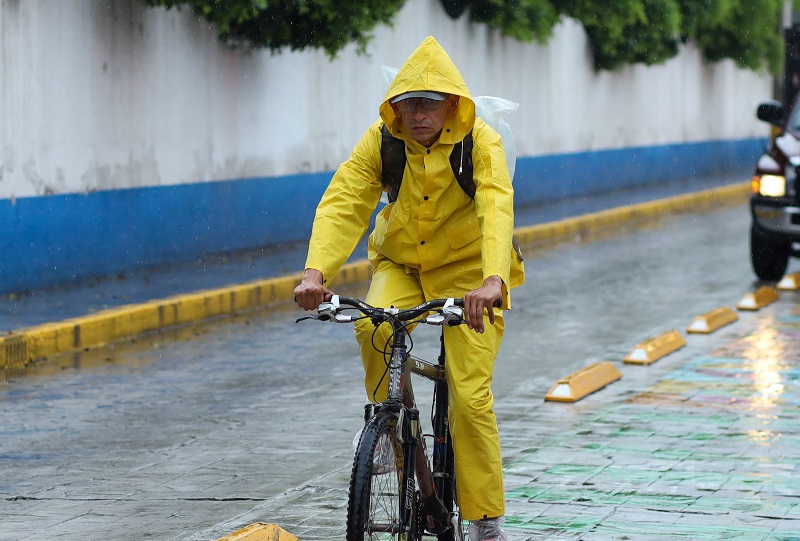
[408, 415]
[407, 423]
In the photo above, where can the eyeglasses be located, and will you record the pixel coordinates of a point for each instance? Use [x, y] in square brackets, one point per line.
[410, 105]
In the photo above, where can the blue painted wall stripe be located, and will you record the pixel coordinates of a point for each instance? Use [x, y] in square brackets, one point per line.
[51, 240]
[545, 178]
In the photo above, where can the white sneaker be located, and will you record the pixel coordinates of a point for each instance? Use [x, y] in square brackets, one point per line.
[487, 529]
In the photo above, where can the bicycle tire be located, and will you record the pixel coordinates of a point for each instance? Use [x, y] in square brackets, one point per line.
[373, 507]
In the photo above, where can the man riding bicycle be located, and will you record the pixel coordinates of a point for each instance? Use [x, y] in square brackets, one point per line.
[435, 240]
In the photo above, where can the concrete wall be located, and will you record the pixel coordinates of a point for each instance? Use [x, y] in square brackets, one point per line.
[131, 137]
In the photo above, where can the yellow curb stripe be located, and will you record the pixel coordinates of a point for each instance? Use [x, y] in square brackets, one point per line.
[715, 197]
[20, 347]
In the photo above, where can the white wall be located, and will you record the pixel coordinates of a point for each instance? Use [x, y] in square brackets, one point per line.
[109, 94]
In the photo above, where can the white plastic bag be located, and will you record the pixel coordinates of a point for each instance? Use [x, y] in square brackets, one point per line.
[491, 110]
[384, 459]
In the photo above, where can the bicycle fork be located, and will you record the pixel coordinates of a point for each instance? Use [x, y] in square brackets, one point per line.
[406, 430]
[400, 402]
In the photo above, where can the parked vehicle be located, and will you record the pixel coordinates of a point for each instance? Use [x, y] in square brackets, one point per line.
[775, 203]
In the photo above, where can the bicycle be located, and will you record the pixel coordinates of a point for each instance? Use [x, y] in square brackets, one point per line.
[383, 501]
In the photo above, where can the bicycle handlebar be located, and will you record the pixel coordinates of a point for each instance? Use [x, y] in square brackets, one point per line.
[449, 311]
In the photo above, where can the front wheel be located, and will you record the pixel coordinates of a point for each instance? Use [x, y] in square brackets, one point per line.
[769, 254]
[373, 507]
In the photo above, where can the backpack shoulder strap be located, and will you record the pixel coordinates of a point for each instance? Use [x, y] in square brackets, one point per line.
[461, 163]
[393, 162]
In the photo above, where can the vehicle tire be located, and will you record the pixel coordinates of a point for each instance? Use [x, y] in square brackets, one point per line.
[769, 254]
[373, 507]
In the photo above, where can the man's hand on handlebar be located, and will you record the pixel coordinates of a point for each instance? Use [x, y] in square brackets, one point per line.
[483, 299]
[311, 292]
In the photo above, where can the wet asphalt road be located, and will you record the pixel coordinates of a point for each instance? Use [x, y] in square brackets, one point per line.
[192, 435]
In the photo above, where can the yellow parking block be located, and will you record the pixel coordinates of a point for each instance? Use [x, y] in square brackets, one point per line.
[713, 320]
[583, 382]
[260, 532]
[653, 349]
[758, 299]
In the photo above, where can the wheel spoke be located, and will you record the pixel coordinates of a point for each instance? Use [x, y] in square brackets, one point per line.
[385, 490]
[374, 507]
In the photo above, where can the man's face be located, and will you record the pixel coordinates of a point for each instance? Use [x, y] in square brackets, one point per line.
[424, 118]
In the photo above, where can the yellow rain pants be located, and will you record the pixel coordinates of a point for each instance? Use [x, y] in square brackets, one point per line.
[470, 365]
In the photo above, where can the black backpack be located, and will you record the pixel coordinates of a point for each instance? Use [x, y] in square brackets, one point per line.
[393, 158]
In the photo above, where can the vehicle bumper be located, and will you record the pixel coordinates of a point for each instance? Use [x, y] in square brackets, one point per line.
[777, 216]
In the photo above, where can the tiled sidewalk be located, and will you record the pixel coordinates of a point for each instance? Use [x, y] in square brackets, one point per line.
[709, 450]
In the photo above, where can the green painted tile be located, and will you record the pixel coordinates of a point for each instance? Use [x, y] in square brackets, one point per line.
[783, 536]
[660, 501]
[673, 454]
[573, 470]
[526, 492]
[554, 523]
[694, 478]
[678, 531]
[586, 496]
[726, 505]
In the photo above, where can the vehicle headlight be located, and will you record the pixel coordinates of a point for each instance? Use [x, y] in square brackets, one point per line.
[770, 185]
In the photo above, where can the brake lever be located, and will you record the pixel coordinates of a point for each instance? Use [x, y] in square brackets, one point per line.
[309, 316]
[454, 315]
[434, 319]
[450, 315]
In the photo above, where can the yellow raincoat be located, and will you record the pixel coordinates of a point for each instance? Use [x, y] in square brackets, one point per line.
[433, 242]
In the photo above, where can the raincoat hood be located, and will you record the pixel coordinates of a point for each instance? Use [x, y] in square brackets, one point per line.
[430, 68]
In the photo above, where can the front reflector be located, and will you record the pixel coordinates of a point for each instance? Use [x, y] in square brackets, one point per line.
[772, 185]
